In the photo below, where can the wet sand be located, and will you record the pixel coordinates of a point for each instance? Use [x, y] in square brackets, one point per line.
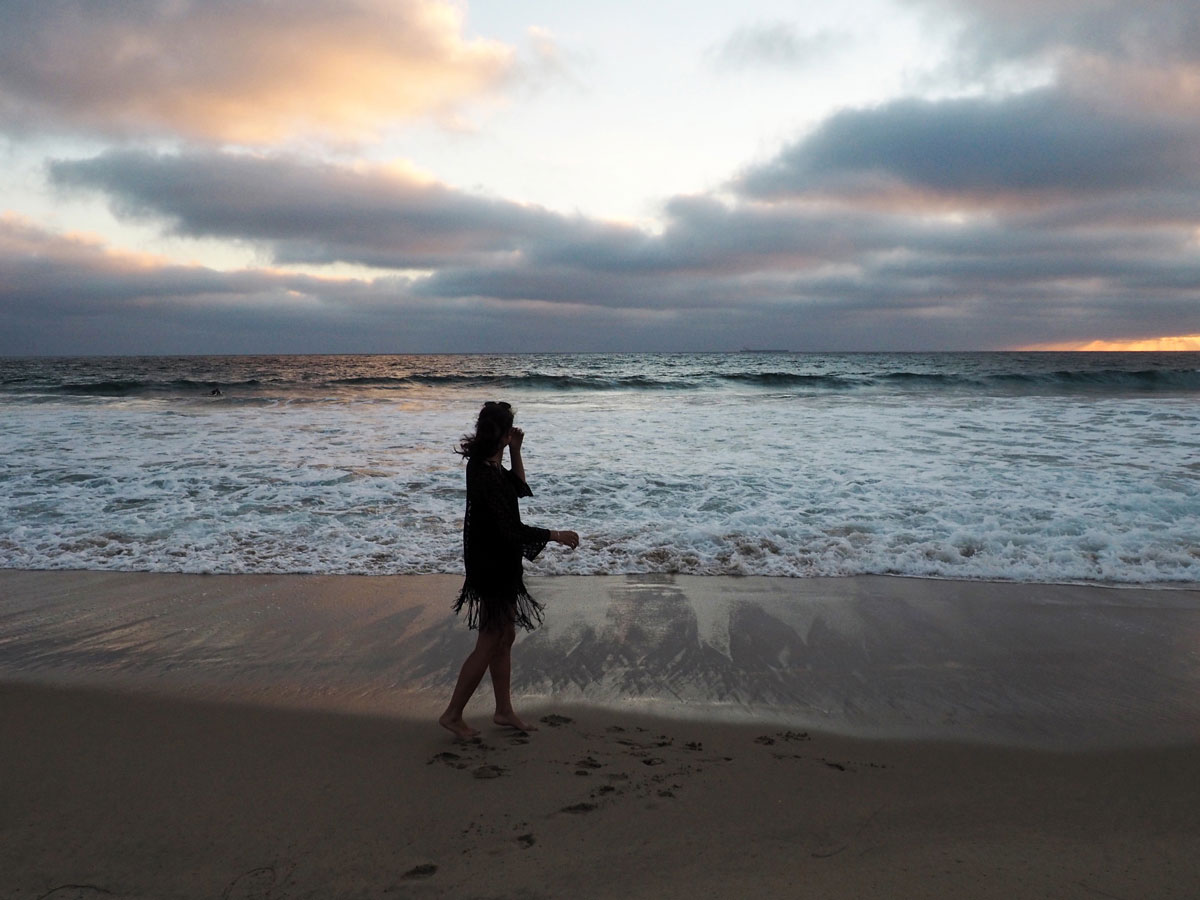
[1059, 666]
[269, 737]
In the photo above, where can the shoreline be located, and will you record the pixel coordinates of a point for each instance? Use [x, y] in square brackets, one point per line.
[533, 576]
[1053, 666]
[132, 796]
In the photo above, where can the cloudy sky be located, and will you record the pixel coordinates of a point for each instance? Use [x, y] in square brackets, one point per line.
[243, 176]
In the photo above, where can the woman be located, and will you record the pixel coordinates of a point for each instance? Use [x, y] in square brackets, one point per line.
[494, 540]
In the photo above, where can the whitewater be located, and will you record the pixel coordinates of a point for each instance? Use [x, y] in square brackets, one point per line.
[1024, 467]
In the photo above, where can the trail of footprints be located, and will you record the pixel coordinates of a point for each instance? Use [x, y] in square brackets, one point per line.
[619, 764]
[661, 759]
[632, 763]
[627, 762]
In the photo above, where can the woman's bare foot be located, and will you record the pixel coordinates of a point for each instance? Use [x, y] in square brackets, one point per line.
[512, 720]
[456, 725]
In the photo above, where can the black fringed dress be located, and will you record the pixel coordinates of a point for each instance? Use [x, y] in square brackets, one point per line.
[494, 541]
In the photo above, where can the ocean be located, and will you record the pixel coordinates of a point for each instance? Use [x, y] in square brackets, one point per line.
[1037, 467]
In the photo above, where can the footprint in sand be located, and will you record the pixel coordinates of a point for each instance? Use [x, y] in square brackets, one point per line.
[526, 841]
[422, 871]
[851, 767]
[554, 720]
[256, 884]
[447, 758]
[788, 736]
[579, 808]
[488, 772]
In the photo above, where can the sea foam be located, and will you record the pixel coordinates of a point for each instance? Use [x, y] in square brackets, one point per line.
[702, 464]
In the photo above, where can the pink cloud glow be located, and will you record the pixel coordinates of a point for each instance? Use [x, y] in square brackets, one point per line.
[250, 72]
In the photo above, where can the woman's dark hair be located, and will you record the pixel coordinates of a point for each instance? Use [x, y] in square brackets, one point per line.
[493, 423]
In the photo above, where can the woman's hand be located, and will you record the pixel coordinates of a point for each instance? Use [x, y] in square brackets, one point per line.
[566, 538]
[515, 436]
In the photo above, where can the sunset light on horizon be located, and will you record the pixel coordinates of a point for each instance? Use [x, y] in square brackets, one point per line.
[1187, 343]
[423, 175]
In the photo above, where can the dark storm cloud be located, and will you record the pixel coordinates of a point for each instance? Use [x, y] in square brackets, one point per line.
[1042, 144]
[313, 212]
[977, 285]
[814, 261]
[55, 274]
[704, 236]
[320, 213]
[75, 295]
[70, 294]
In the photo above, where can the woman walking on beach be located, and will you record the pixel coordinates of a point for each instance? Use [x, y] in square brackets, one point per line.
[494, 541]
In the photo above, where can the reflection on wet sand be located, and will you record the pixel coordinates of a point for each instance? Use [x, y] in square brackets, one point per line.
[1051, 664]
[1026, 663]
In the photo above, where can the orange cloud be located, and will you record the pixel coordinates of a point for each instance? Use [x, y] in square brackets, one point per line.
[246, 71]
[21, 239]
[1188, 342]
[38, 262]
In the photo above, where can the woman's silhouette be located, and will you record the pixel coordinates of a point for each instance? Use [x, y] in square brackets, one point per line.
[494, 542]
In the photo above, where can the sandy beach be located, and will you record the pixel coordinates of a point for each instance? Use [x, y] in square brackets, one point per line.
[208, 736]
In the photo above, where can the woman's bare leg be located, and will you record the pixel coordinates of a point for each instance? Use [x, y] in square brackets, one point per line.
[501, 669]
[469, 677]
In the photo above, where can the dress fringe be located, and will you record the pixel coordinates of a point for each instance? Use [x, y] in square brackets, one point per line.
[490, 613]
